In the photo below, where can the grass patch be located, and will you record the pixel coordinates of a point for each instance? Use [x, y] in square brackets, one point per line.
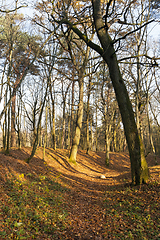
[33, 207]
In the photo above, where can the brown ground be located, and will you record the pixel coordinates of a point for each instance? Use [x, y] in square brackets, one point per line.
[86, 198]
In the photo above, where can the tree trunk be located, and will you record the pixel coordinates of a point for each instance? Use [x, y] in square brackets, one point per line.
[107, 148]
[63, 125]
[5, 127]
[87, 137]
[8, 131]
[45, 134]
[96, 131]
[91, 123]
[52, 119]
[149, 126]
[35, 143]
[72, 114]
[19, 128]
[87, 121]
[76, 138]
[114, 139]
[139, 168]
[13, 133]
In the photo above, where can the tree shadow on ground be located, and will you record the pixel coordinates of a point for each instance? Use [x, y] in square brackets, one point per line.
[81, 177]
[72, 178]
[118, 161]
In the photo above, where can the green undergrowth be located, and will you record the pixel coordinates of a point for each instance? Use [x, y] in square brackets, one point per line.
[133, 213]
[33, 208]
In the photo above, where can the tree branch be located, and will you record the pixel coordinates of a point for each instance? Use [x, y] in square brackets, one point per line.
[13, 10]
[135, 30]
[81, 35]
[154, 63]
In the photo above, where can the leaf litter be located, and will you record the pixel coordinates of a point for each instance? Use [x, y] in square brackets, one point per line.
[55, 199]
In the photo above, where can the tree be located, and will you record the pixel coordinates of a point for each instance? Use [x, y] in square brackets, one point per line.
[139, 168]
[18, 55]
[108, 104]
[76, 139]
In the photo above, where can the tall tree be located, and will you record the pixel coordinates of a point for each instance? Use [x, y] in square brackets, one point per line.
[76, 139]
[18, 51]
[139, 168]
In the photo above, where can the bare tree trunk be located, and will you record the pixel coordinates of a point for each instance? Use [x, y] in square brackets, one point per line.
[149, 126]
[5, 127]
[87, 121]
[64, 95]
[96, 131]
[72, 113]
[69, 131]
[52, 120]
[36, 134]
[114, 139]
[13, 133]
[63, 126]
[8, 131]
[18, 127]
[91, 124]
[107, 147]
[45, 134]
[76, 138]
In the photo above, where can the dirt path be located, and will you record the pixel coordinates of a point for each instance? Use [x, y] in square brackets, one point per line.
[86, 199]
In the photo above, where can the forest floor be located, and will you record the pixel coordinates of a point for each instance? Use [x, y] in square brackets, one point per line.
[56, 199]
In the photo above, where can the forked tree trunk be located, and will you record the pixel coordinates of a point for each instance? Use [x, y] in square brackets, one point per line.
[139, 168]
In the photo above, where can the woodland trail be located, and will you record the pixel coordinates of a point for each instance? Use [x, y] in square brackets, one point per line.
[88, 195]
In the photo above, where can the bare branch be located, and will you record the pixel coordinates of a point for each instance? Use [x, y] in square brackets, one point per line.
[13, 10]
[81, 35]
[153, 59]
[129, 33]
